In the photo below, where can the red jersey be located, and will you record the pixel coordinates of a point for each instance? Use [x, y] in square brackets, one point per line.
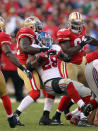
[4, 39]
[24, 32]
[75, 39]
[92, 56]
[7, 65]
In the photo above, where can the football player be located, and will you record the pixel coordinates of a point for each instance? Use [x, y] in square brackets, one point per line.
[26, 36]
[46, 112]
[54, 84]
[5, 41]
[91, 73]
[72, 41]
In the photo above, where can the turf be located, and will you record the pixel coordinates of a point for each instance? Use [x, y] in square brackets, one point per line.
[30, 118]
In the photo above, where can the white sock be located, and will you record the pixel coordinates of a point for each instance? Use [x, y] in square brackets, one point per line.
[9, 116]
[25, 103]
[48, 104]
[82, 116]
[80, 103]
[76, 112]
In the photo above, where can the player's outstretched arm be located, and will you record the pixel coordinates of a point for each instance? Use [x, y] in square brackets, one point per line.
[65, 45]
[93, 41]
[7, 51]
[28, 49]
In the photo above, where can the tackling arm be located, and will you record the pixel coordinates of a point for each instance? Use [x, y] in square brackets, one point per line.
[7, 51]
[94, 42]
[28, 49]
[65, 45]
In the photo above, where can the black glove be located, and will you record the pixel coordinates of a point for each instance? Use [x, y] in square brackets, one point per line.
[44, 49]
[64, 57]
[29, 67]
[51, 52]
[86, 40]
[28, 73]
[41, 59]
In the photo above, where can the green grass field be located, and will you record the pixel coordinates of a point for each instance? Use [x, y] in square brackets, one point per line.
[31, 117]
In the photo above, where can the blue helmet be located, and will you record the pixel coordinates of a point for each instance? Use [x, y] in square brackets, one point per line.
[46, 39]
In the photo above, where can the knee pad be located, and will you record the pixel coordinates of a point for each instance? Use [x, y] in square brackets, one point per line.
[35, 94]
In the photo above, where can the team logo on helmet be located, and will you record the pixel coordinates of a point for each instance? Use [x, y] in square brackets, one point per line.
[45, 39]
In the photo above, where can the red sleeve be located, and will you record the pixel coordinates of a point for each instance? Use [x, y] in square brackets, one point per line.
[26, 32]
[5, 38]
[63, 35]
[92, 56]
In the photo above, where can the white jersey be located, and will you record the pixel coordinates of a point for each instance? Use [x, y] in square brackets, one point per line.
[50, 69]
[95, 64]
[91, 73]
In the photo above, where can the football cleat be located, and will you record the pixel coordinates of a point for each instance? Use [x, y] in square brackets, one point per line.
[45, 120]
[84, 122]
[55, 121]
[12, 121]
[86, 109]
[18, 122]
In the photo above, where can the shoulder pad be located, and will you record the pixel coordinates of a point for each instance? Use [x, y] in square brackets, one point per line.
[63, 35]
[26, 32]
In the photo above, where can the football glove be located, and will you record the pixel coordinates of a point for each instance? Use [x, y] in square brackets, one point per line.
[29, 66]
[86, 40]
[42, 58]
[28, 73]
[64, 57]
[44, 49]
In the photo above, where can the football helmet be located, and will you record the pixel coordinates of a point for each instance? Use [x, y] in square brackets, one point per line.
[2, 24]
[34, 23]
[75, 22]
[45, 39]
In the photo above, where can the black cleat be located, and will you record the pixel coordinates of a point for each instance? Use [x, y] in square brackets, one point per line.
[18, 122]
[12, 121]
[55, 121]
[86, 109]
[45, 120]
[84, 122]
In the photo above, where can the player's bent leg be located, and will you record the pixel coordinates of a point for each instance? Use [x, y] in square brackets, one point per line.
[61, 86]
[34, 93]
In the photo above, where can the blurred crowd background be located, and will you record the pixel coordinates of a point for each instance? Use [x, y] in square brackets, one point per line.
[53, 14]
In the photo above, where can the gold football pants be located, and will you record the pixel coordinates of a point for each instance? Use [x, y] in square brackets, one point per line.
[34, 83]
[3, 91]
[73, 72]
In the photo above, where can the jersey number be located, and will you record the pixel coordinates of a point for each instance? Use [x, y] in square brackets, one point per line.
[52, 62]
[78, 41]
